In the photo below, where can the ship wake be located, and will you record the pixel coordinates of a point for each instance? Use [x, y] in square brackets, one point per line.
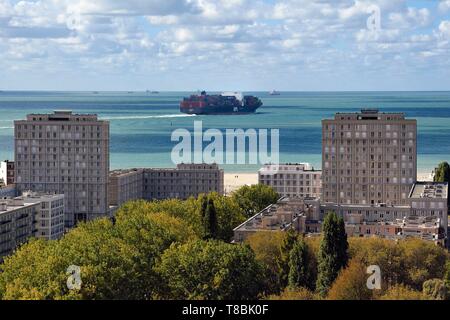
[162, 116]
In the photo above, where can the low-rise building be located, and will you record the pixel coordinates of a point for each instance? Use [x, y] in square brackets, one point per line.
[49, 220]
[292, 179]
[125, 185]
[430, 199]
[182, 182]
[295, 213]
[425, 216]
[31, 215]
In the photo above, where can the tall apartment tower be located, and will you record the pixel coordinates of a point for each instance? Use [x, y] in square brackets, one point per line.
[65, 153]
[368, 158]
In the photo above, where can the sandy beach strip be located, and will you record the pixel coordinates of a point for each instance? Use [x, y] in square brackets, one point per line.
[233, 181]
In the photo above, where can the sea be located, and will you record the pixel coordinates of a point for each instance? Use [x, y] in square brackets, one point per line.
[142, 123]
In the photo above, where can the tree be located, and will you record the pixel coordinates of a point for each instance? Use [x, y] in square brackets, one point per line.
[211, 270]
[252, 199]
[192, 211]
[294, 294]
[210, 220]
[442, 173]
[116, 261]
[435, 289]
[447, 276]
[299, 275]
[351, 284]
[267, 248]
[289, 240]
[332, 255]
[401, 292]
[229, 215]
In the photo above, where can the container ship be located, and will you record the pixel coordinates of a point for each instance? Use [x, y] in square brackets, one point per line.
[225, 103]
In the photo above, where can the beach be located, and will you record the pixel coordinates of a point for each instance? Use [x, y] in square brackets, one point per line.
[233, 181]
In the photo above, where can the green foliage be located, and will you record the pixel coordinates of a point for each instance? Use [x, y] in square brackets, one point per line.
[294, 294]
[252, 199]
[332, 255]
[351, 284]
[442, 173]
[435, 289]
[116, 261]
[402, 292]
[447, 276]
[228, 213]
[210, 270]
[410, 262]
[229, 216]
[267, 248]
[289, 240]
[209, 217]
[299, 264]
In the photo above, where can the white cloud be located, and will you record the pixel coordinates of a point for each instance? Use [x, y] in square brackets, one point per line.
[444, 29]
[444, 6]
[167, 36]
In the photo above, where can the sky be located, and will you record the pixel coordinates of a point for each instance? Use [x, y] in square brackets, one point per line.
[245, 45]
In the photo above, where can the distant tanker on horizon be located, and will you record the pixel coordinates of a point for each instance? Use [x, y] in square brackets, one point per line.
[225, 103]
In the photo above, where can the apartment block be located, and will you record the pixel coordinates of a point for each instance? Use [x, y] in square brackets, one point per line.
[6, 173]
[292, 179]
[125, 185]
[31, 215]
[49, 218]
[368, 157]
[300, 214]
[430, 199]
[65, 153]
[182, 182]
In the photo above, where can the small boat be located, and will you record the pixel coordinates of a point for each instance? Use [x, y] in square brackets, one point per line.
[274, 93]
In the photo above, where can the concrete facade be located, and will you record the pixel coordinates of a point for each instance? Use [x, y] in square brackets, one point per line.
[65, 153]
[182, 182]
[125, 185]
[31, 215]
[292, 179]
[368, 158]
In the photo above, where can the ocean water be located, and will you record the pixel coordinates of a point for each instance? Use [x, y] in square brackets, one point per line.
[141, 123]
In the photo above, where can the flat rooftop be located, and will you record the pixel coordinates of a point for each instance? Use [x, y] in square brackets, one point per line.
[8, 206]
[288, 167]
[284, 205]
[61, 116]
[123, 172]
[434, 190]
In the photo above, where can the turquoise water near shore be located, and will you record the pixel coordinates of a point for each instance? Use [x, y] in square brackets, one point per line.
[142, 123]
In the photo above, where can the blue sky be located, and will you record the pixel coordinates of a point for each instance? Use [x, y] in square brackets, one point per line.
[244, 45]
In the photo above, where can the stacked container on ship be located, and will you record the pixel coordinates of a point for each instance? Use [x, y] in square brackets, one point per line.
[225, 103]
